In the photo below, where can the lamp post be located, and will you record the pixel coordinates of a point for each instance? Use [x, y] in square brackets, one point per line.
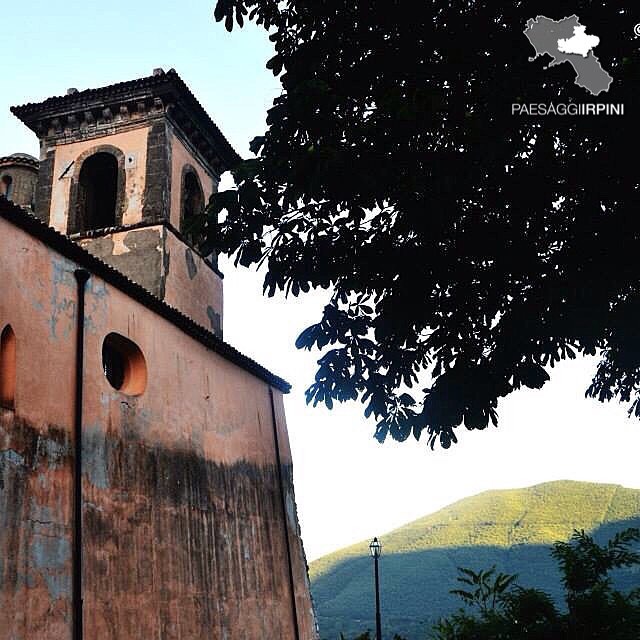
[376, 550]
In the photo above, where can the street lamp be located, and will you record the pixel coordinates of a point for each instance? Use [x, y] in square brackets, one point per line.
[376, 550]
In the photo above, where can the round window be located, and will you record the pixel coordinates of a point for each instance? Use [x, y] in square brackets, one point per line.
[124, 365]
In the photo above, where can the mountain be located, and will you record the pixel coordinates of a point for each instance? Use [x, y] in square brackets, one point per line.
[511, 529]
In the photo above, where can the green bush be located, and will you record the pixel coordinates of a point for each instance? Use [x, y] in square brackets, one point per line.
[499, 609]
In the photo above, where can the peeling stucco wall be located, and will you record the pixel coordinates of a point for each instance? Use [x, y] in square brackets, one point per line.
[66, 167]
[138, 253]
[35, 442]
[183, 524]
[35, 537]
[156, 258]
[191, 285]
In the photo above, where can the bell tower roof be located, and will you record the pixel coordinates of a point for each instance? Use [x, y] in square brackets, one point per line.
[93, 111]
[20, 159]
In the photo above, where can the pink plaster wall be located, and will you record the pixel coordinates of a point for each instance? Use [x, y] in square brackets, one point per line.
[183, 526]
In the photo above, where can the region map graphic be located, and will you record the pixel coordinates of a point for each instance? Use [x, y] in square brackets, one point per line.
[567, 40]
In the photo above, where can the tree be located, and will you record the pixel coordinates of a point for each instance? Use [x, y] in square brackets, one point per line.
[467, 250]
[594, 609]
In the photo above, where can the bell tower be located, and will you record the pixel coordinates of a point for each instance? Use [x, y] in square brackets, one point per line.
[18, 178]
[123, 171]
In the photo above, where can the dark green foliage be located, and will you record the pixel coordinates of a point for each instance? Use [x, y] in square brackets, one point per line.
[594, 608]
[456, 239]
[483, 588]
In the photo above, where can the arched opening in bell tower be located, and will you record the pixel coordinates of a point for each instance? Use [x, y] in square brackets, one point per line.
[192, 205]
[6, 187]
[97, 192]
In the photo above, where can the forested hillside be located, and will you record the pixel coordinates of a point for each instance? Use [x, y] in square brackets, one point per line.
[511, 529]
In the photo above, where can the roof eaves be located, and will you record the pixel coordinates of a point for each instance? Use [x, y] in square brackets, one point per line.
[70, 250]
[23, 160]
[31, 112]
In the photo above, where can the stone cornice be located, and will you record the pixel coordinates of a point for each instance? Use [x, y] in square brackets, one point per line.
[72, 251]
[19, 160]
[89, 113]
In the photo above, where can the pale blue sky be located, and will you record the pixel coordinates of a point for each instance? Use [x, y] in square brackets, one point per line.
[48, 47]
[348, 487]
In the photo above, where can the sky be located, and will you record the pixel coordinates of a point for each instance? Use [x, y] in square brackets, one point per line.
[348, 487]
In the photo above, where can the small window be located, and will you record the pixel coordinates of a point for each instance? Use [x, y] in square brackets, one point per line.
[192, 205]
[124, 365]
[98, 192]
[7, 187]
[7, 368]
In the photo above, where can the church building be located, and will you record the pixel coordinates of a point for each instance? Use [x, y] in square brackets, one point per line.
[146, 486]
